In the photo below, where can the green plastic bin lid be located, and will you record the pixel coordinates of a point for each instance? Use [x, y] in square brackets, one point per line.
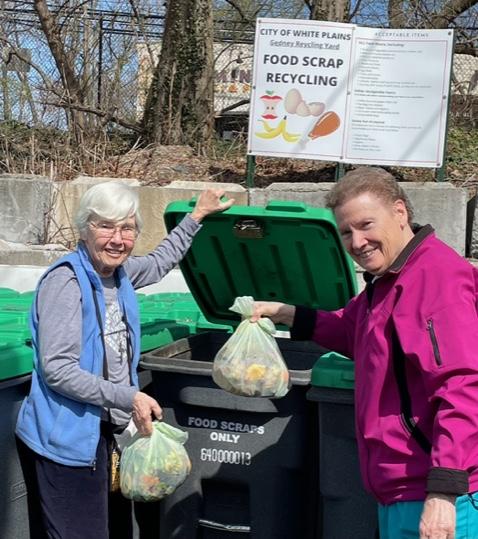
[13, 330]
[168, 298]
[16, 359]
[172, 297]
[18, 304]
[203, 324]
[169, 314]
[286, 251]
[180, 307]
[6, 293]
[333, 370]
[10, 317]
[157, 333]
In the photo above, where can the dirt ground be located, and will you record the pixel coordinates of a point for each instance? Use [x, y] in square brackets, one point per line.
[161, 165]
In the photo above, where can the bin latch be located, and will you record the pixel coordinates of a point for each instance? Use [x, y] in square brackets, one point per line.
[248, 228]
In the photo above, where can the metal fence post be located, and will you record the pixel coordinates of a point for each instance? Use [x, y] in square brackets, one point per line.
[100, 63]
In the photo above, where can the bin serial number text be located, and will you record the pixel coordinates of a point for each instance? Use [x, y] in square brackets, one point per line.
[228, 432]
[225, 456]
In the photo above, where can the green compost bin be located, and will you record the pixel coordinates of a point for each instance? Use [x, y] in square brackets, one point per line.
[16, 361]
[254, 460]
[347, 510]
[166, 317]
[169, 316]
[157, 332]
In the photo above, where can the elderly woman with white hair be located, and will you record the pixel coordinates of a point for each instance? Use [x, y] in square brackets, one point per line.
[86, 340]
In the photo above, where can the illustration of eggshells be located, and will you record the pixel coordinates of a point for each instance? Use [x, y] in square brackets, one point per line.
[292, 100]
[302, 109]
[316, 108]
[325, 125]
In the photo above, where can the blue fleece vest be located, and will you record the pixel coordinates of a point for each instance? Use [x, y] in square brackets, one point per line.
[51, 424]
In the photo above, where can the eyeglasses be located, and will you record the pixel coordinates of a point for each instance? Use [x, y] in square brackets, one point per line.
[108, 230]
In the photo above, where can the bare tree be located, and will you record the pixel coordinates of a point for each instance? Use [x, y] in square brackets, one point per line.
[65, 72]
[416, 13]
[74, 91]
[92, 75]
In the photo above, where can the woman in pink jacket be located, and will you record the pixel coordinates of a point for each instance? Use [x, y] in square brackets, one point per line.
[413, 335]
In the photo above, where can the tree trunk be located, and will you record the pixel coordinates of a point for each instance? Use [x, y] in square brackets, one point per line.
[7, 109]
[73, 90]
[329, 10]
[180, 104]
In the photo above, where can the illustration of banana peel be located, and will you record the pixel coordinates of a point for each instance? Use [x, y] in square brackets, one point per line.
[273, 132]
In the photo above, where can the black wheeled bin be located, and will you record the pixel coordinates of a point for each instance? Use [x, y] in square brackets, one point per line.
[347, 510]
[254, 460]
[16, 361]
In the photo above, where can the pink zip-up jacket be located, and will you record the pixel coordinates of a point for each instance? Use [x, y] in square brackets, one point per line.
[413, 334]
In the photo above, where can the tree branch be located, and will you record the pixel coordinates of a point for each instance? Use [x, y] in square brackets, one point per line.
[450, 11]
[55, 42]
[356, 9]
[138, 18]
[233, 106]
[243, 16]
[108, 116]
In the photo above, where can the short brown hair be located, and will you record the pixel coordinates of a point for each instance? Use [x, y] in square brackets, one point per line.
[376, 181]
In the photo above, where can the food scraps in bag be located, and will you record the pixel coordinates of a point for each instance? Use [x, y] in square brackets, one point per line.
[250, 362]
[152, 467]
[256, 380]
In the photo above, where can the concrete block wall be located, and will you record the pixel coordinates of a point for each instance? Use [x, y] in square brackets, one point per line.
[153, 202]
[66, 199]
[440, 204]
[25, 206]
[444, 207]
[24, 201]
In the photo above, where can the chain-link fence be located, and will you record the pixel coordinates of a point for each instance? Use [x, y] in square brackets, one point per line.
[103, 50]
[113, 53]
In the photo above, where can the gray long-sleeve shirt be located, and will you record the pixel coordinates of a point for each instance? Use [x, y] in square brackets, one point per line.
[60, 324]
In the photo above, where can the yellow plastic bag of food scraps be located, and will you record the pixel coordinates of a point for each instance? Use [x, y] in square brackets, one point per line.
[152, 467]
[250, 362]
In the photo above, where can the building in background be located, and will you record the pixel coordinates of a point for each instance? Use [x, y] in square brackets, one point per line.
[232, 74]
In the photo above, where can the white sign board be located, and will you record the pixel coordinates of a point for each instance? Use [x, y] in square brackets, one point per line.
[338, 92]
